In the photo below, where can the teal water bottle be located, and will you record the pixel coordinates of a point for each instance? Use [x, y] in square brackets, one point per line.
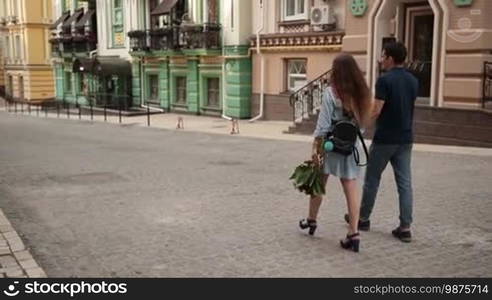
[328, 146]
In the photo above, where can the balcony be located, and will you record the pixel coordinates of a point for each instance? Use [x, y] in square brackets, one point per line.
[164, 38]
[74, 33]
[200, 36]
[184, 37]
[139, 41]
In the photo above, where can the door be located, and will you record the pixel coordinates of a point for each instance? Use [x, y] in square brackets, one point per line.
[10, 87]
[420, 39]
[21, 88]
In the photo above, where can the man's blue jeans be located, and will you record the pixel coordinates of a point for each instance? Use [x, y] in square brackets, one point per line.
[400, 158]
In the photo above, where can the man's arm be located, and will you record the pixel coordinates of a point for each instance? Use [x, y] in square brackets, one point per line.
[376, 110]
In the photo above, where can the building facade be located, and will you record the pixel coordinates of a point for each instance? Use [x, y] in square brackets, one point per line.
[27, 74]
[448, 43]
[189, 56]
[192, 56]
[74, 42]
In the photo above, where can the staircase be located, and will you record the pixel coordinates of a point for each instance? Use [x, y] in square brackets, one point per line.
[306, 103]
[432, 125]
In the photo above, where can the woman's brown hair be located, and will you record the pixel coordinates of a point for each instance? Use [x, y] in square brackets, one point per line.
[351, 87]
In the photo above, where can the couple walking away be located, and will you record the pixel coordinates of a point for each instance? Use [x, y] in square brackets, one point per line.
[349, 98]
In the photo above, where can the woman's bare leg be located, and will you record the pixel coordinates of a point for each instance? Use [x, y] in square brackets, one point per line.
[351, 191]
[315, 203]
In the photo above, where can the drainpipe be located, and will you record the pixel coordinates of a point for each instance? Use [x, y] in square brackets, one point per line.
[224, 78]
[445, 24]
[262, 63]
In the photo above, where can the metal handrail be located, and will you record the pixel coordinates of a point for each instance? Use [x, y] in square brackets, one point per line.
[307, 100]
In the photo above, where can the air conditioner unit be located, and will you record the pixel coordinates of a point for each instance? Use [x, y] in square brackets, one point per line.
[322, 15]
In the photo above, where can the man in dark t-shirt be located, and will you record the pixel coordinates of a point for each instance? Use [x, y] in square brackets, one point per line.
[396, 92]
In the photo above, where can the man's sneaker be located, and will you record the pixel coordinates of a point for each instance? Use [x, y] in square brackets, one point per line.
[363, 225]
[404, 236]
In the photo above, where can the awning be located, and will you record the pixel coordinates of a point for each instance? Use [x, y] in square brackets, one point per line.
[83, 65]
[73, 18]
[102, 65]
[85, 19]
[112, 65]
[164, 7]
[61, 19]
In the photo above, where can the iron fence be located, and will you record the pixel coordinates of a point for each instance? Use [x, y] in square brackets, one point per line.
[94, 104]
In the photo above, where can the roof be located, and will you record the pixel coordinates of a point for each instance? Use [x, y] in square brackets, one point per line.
[86, 18]
[164, 7]
[61, 19]
[73, 18]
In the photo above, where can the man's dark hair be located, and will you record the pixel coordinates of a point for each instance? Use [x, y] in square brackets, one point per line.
[396, 50]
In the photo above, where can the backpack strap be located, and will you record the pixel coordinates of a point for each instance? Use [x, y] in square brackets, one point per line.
[356, 152]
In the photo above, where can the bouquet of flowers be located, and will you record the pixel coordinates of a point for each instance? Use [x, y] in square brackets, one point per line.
[307, 178]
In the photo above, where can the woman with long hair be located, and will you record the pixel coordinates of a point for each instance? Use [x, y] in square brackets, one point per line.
[347, 98]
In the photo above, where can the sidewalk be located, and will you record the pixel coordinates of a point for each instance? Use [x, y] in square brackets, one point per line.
[15, 260]
[274, 130]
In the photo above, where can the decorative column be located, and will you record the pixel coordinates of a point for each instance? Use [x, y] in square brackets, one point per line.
[238, 82]
[192, 87]
[136, 79]
[164, 84]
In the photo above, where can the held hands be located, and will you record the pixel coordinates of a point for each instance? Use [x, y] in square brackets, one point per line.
[317, 153]
[317, 158]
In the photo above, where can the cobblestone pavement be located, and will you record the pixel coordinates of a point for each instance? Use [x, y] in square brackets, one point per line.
[15, 260]
[96, 200]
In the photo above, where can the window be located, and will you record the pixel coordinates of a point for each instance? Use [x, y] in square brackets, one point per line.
[18, 49]
[68, 81]
[15, 9]
[211, 11]
[213, 92]
[82, 83]
[117, 23]
[294, 10]
[83, 4]
[7, 47]
[3, 8]
[181, 90]
[232, 15]
[153, 87]
[67, 5]
[296, 74]
[154, 20]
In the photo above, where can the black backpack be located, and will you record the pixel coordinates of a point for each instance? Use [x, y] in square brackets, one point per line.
[344, 138]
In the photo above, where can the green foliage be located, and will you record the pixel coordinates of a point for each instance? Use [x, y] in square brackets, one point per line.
[308, 179]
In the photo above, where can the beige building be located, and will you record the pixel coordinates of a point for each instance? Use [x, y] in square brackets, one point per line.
[27, 71]
[448, 41]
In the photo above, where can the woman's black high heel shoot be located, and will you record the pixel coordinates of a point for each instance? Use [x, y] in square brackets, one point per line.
[351, 242]
[306, 223]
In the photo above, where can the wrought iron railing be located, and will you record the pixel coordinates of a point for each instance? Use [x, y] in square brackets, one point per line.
[487, 83]
[164, 38]
[200, 36]
[307, 100]
[190, 36]
[84, 41]
[139, 40]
